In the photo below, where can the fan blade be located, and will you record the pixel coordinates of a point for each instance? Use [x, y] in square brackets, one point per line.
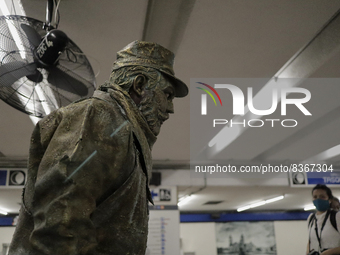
[32, 35]
[11, 72]
[62, 80]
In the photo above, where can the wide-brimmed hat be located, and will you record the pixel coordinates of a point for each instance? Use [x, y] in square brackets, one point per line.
[139, 53]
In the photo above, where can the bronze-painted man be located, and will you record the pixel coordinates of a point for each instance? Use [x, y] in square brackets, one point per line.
[90, 162]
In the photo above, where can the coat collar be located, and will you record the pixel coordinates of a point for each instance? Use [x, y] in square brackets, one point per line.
[128, 108]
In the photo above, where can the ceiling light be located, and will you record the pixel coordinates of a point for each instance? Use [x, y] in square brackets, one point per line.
[243, 208]
[260, 203]
[309, 207]
[184, 200]
[274, 199]
[44, 102]
[3, 212]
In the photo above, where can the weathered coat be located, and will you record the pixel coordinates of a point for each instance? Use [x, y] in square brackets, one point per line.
[87, 189]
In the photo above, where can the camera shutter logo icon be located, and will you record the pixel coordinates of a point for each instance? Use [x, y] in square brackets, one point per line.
[16, 178]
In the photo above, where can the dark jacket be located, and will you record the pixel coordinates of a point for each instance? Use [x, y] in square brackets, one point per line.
[87, 189]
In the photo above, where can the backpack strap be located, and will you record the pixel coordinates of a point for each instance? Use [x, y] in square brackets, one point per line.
[309, 227]
[311, 220]
[332, 218]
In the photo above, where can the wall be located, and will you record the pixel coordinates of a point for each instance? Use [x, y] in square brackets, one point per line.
[291, 237]
[6, 234]
[199, 238]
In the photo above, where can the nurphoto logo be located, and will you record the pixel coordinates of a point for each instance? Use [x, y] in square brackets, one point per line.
[242, 107]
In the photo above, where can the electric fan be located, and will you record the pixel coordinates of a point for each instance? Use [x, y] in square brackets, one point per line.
[41, 69]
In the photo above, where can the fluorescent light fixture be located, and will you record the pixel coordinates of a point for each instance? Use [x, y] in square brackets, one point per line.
[34, 119]
[309, 207]
[3, 212]
[184, 200]
[260, 203]
[243, 208]
[274, 199]
[44, 102]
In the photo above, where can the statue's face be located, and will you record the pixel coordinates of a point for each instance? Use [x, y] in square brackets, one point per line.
[156, 104]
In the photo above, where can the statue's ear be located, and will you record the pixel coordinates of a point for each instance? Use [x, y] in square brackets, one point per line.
[137, 88]
[138, 84]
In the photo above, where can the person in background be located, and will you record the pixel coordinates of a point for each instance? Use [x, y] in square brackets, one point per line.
[335, 204]
[324, 238]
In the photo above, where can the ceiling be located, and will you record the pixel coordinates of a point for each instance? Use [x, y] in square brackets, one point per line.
[211, 39]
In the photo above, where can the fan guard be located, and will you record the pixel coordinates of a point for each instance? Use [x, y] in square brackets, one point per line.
[30, 86]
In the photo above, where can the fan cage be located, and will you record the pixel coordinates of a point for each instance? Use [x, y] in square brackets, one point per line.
[28, 86]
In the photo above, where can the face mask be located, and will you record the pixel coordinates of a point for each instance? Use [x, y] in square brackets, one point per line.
[321, 205]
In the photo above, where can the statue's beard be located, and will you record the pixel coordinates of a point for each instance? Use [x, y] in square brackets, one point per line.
[149, 107]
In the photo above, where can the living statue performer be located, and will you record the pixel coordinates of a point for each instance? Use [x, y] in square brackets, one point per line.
[90, 162]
